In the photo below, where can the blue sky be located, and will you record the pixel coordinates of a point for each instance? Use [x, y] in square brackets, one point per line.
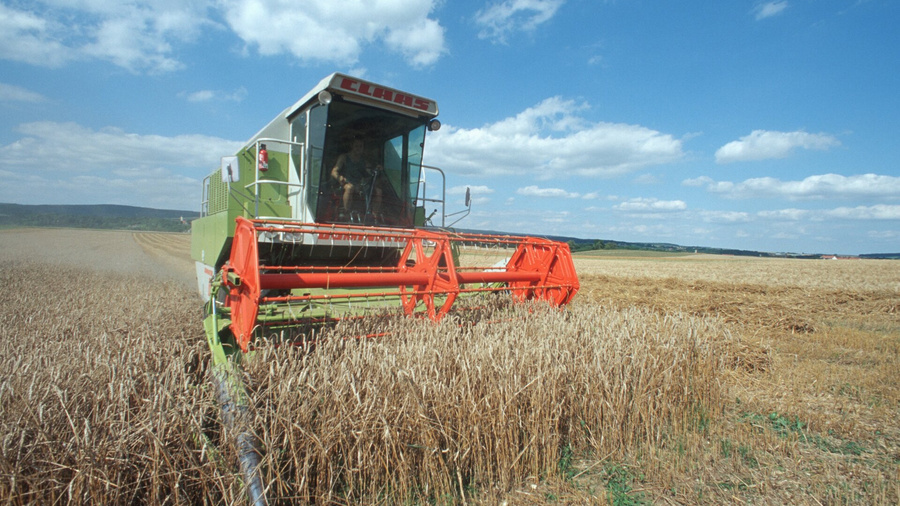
[766, 125]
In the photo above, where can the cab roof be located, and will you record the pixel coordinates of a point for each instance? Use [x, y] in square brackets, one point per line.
[358, 90]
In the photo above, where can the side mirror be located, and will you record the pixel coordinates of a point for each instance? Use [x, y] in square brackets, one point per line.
[465, 212]
[230, 169]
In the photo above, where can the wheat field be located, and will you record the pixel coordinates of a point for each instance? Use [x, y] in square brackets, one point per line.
[685, 380]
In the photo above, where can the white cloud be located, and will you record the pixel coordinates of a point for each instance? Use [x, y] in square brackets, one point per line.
[503, 18]
[10, 93]
[876, 212]
[813, 187]
[146, 35]
[200, 96]
[724, 216]
[108, 165]
[764, 144]
[215, 95]
[475, 190]
[159, 188]
[698, 181]
[785, 214]
[422, 43]
[48, 146]
[769, 9]
[534, 191]
[328, 31]
[643, 205]
[29, 38]
[137, 36]
[551, 140]
[141, 40]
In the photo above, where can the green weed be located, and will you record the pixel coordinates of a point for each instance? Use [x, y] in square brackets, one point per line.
[619, 480]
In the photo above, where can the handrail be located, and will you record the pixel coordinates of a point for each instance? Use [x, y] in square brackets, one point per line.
[271, 181]
[443, 200]
[257, 181]
[204, 198]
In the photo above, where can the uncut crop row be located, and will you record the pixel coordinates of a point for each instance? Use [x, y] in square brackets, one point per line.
[104, 397]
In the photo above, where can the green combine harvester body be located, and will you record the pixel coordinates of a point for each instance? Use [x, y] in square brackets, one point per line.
[294, 185]
[321, 216]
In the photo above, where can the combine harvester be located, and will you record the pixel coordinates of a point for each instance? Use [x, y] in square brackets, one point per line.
[321, 216]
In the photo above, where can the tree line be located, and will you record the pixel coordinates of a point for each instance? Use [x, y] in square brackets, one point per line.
[147, 224]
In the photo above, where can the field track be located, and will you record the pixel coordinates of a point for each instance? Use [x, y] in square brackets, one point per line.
[165, 256]
[169, 250]
[725, 380]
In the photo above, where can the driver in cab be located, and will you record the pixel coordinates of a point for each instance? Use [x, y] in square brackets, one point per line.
[354, 173]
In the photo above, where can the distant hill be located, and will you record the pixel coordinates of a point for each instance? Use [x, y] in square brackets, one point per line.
[109, 216]
[882, 256]
[579, 244]
[102, 216]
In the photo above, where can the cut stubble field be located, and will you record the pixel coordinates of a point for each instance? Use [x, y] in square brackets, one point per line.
[671, 380]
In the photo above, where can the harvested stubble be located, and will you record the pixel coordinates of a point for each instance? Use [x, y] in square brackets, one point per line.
[433, 412]
[842, 275]
[815, 420]
[749, 305]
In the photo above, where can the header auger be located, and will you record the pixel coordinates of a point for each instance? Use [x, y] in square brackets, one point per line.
[321, 216]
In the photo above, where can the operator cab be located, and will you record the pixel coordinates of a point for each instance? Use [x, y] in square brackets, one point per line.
[369, 168]
[363, 150]
[286, 173]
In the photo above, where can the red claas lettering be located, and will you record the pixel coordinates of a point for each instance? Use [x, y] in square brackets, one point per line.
[385, 95]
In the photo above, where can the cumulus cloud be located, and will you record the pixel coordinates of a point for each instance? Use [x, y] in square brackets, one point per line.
[785, 214]
[698, 181]
[215, 95]
[141, 38]
[500, 19]
[422, 42]
[813, 187]
[11, 93]
[724, 216]
[769, 9]
[47, 146]
[876, 212]
[29, 38]
[328, 31]
[765, 144]
[652, 205]
[160, 189]
[551, 140]
[137, 36]
[474, 190]
[109, 165]
[534, 191]
[145, 35]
